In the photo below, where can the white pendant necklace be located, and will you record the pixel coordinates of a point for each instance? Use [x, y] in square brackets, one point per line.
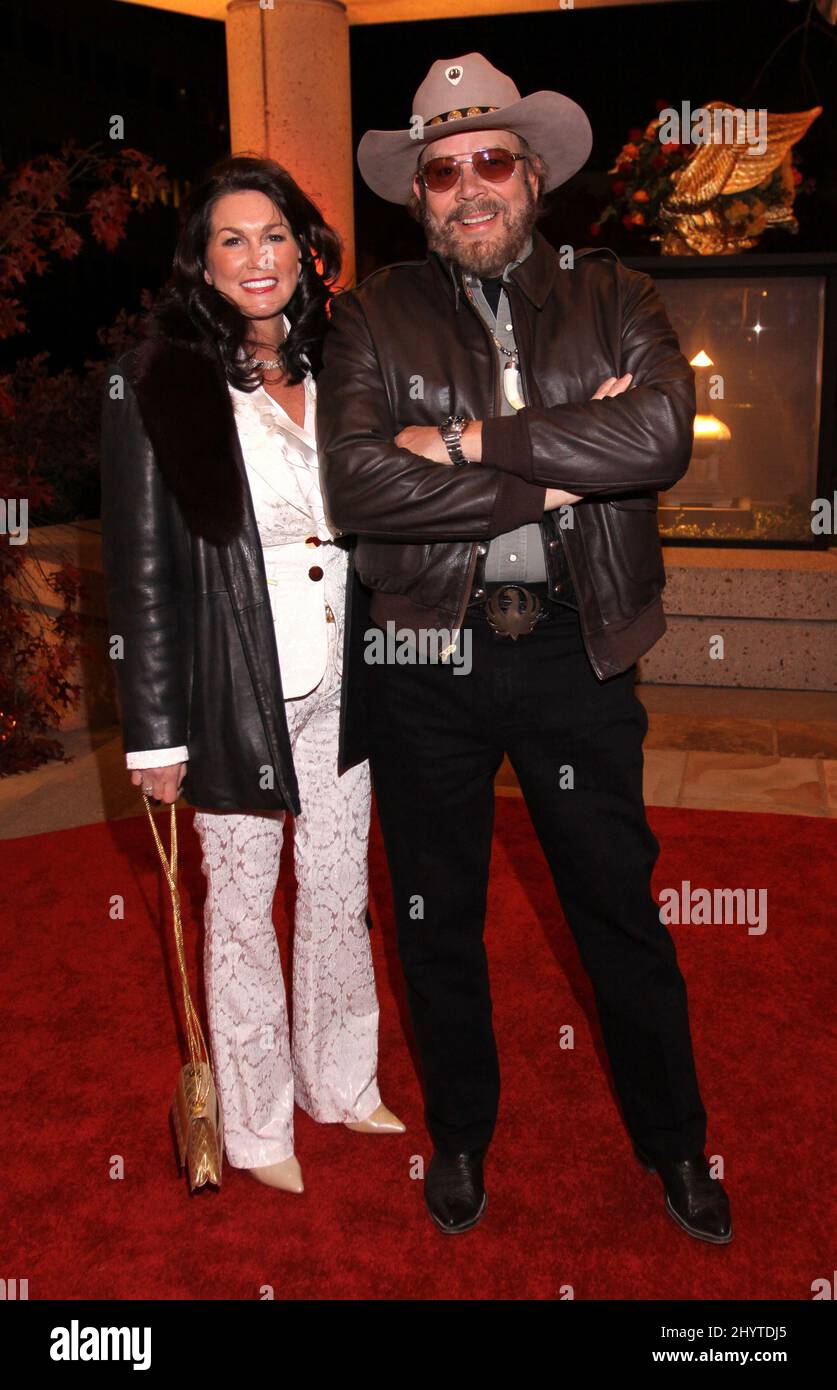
[512, 386]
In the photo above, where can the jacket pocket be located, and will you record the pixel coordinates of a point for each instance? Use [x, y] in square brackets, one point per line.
[636, 539]
[629, 504]
[388, 564]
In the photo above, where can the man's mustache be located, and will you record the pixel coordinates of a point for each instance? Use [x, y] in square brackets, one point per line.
[476, 211]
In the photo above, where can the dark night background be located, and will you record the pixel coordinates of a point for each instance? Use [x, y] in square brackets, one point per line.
[66, 69]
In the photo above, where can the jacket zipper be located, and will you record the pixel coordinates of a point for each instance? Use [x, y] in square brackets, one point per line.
[593, 662]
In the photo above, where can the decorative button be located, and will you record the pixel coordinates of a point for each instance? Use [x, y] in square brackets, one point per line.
[479, 593]
[315, 572]
[508, 328]
[553, 545]
[482, 549]
[512, 557]
[313, 540]
[557, 588]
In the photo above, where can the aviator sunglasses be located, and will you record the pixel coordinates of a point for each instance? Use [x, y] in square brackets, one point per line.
[494, 165]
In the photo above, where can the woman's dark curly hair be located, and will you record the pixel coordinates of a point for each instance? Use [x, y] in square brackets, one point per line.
[320, 249]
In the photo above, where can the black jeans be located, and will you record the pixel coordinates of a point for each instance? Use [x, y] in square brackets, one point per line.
[437, 740]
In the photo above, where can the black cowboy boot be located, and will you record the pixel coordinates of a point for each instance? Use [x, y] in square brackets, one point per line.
[454, 1190]
[694, 1199]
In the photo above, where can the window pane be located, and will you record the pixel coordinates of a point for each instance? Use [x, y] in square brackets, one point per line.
[756, 346]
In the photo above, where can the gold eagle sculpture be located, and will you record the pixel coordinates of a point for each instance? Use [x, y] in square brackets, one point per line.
[726, 163]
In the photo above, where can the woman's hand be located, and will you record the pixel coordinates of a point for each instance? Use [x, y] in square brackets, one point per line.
[164, 782]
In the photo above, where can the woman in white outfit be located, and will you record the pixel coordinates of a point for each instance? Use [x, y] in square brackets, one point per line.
[229, 593]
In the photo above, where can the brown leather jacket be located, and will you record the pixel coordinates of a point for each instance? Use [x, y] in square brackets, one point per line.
[407, 348]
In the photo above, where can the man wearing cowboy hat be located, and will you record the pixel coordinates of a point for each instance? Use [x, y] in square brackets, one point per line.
[494, 424]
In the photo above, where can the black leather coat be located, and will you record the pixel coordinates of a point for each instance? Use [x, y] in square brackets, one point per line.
[186, 584]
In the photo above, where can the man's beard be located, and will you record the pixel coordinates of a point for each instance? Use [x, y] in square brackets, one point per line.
[487, 259]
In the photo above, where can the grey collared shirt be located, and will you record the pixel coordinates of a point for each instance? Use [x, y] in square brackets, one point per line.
[515, 555]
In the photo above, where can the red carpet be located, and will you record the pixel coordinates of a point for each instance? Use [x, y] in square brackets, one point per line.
[90, 1058]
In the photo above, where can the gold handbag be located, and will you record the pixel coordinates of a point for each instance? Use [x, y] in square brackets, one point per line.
[196, 1108]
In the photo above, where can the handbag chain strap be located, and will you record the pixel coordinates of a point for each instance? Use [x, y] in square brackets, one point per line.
[194, 1033]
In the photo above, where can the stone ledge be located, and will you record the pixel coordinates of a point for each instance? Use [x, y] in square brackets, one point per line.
[740, 583]
[757, 653]
[775, 609]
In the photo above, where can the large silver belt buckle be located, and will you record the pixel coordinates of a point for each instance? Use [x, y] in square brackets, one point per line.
[513, 610]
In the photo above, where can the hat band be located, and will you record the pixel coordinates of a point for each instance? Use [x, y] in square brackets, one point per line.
[457, 115]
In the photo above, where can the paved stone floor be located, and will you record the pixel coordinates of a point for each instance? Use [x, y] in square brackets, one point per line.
[734, 750]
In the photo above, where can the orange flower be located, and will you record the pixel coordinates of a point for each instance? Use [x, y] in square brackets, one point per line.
[640, 196]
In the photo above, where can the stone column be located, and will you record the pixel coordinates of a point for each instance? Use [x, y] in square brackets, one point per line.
[289, 91]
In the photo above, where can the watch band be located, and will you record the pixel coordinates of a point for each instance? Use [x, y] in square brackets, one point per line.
[451, 432]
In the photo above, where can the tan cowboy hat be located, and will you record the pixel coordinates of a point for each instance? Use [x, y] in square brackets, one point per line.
[470, 94]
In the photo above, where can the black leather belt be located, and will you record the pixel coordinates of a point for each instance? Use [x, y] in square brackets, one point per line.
[512, 610]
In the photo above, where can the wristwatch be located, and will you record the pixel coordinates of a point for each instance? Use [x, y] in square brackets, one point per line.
[451, 432]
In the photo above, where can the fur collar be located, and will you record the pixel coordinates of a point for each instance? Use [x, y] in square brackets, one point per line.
[186, 408]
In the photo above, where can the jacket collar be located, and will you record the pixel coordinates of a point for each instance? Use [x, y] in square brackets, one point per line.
[535, 275]
[181, 389]
[170, 322]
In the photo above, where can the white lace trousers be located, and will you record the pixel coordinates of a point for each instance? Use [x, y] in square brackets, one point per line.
[328, 1064]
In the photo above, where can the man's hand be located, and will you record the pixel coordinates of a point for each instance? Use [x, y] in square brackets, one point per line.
[612, 386]
[163, 781]
[425, 440]
[556, 498]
